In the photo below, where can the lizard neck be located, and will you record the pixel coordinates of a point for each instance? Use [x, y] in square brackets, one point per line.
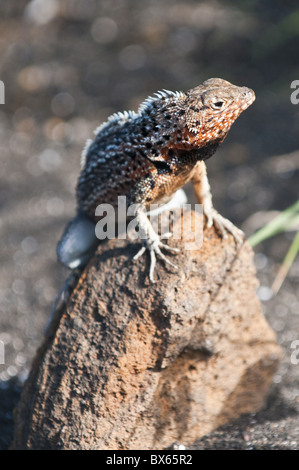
[193, 155]
[207, 150]
[199, 146]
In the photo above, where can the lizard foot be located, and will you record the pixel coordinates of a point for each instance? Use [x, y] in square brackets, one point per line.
[224, 225]
[154, 247]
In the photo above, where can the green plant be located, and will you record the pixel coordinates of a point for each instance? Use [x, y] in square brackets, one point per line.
[285, 220]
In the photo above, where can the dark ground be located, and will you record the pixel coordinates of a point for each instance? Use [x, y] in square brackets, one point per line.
[66, 66]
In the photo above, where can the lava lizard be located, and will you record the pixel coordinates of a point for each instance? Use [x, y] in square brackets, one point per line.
[147, 156]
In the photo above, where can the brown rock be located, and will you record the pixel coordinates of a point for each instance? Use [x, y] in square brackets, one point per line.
[138, 366]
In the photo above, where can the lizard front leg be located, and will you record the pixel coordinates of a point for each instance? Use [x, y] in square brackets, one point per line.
[203, 195]
[151, 242]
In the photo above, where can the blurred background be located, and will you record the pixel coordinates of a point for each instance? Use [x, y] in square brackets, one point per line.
[67, 65]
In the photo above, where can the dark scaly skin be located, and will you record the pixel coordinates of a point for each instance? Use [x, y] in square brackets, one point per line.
[148, 155]
[154, 153]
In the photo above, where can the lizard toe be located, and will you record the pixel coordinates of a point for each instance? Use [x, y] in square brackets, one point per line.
[226, 226]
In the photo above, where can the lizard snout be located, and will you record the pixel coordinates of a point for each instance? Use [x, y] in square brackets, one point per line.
[249, 94]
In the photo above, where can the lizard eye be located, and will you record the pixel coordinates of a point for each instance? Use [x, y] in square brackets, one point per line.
[218, 104]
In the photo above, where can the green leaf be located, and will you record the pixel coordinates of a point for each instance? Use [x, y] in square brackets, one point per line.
[281, 223]
[287, 263]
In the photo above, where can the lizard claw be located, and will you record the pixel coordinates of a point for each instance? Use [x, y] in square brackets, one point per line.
[167, 247]
[151, 242]
[154, 248]
[224, 225]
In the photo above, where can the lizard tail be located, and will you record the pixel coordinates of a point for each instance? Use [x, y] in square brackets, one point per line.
[78, 242]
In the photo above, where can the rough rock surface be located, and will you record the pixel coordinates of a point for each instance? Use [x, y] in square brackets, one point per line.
[136, 366]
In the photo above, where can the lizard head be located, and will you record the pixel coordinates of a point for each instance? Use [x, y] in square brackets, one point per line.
[213, 107]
